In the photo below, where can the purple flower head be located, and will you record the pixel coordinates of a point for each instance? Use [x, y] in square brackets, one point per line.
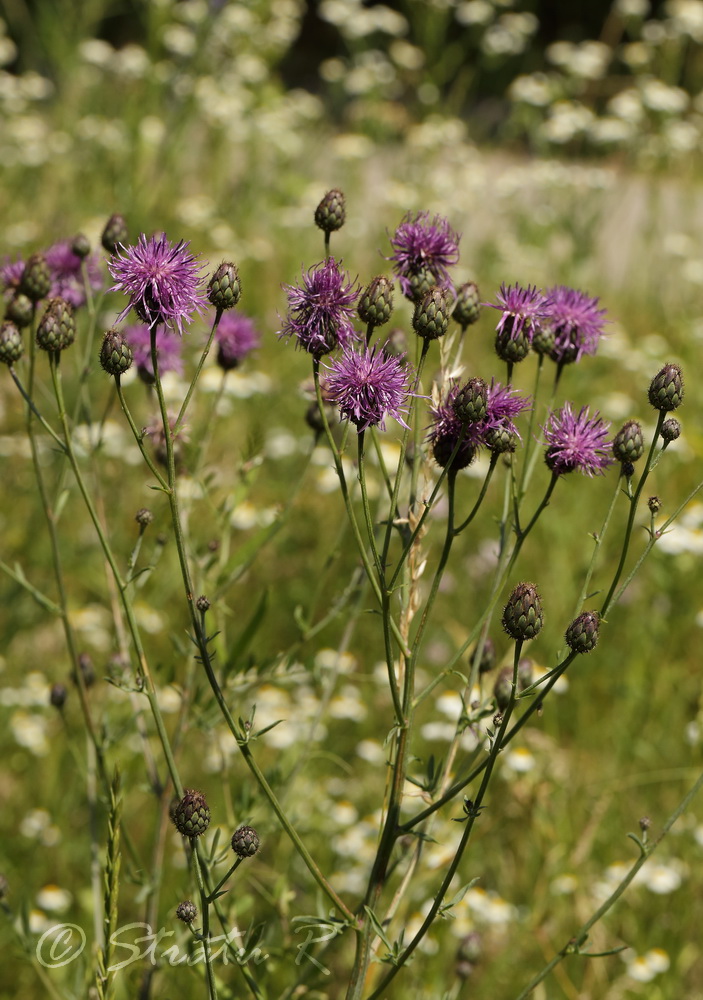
[168, 351]
[66, 276]
[446, 429]
[11, 272]
[369, 385]
[320, 313]
[504, 404]
[161, 280]
[523, 310]
[236, 336]
[576, 321]
[420, 245]
[577, 442]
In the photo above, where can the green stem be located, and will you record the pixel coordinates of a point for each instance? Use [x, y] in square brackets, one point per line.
[481, 496]
[631, 519]
[528, 439]
[473, 810]
[196, 376]
[138, 436]
[122, 585]
[205, 910]
[204, 653]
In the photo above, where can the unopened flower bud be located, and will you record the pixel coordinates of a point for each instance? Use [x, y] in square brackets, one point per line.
[115, 353]
[431, 317]
[421, 281]
[11, 346]
[471, 401]
[654, 504]
[20, 310]
[58, 695]
[467, 307]
[245, 842]
[501, 440]
[376, 301]
[666, 391]
[57, 327]
[80, 245]
[36, 278]
[582, 635]
[114, 233]
[645, 824]
[671, 429]
[331, 212]
[187, 911]
[543, 341]
[225, 288]
[202, 604]
[628, 443]
[192, 814]
[522, 615]
[143, 517]
[628, 470]
[511, 349]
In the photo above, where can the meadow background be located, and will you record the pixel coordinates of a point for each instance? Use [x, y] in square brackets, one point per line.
[565, 148]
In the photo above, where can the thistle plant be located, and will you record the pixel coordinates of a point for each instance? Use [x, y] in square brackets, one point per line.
[465, 458]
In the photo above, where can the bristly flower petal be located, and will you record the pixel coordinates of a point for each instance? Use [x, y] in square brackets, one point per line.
[321, 311]
[369, 385]
[161, 279]
[523, 310]
[576, 322]
[419, 246]
[577, 442]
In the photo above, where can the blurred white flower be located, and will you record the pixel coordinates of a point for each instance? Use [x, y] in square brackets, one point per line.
[660, 96]
[532, 88]
[475, 12]
[54, 899]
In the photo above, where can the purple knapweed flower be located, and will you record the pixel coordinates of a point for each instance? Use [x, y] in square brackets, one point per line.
[576, 322]
[236, 336]
[320, 313]
[66, 276]
[503, 404]
[523, 310]
[161, 280]
[11, 272]
[419, 246]
[168, 351]
[445, 431]
[577, 442]
[368, 385]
